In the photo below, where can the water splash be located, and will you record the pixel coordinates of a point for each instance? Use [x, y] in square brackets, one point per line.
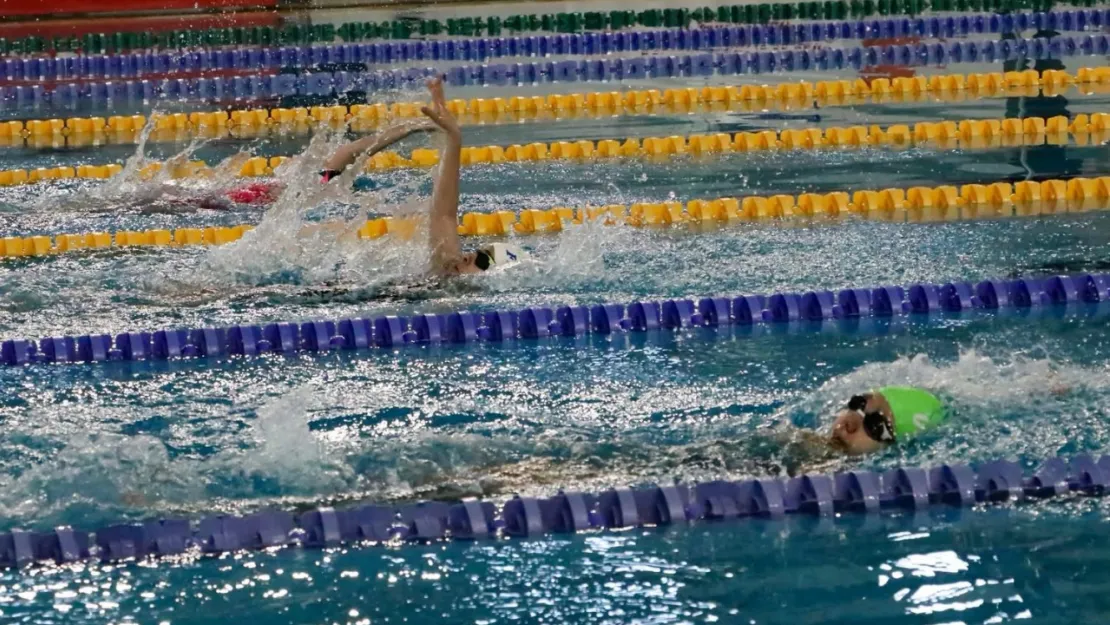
[141, 187]
[974, 381]
[310, 231]
[285, 455]
[1002, 407]
[574, 258]
[1012, 406]
[104, 476]
[95, 477]
[130, 178]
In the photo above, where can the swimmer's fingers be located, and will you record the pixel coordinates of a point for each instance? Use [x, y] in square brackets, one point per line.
[407, 127]
[435, 116]
[421, 125]
[442, 119]
[435, 87]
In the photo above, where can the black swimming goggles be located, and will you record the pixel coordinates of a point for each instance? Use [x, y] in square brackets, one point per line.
[483, 259]
[874, 423]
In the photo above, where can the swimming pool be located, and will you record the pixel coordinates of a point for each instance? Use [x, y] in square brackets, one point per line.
[90, 445]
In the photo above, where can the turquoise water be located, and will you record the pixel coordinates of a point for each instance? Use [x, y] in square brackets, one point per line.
[993, 566]
[89, 445]
[94, 444]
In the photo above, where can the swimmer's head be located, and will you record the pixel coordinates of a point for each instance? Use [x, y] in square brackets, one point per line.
[473, 261]
[486, 258]
[857, 431]
[255, 193]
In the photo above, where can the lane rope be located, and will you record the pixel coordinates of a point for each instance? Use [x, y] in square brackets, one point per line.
[943, 135]
[968, 134]
[330, 86]
[250, 123]
[941, 203]
[166, 64]
[563, 22]
[391, 332]
[755, 500]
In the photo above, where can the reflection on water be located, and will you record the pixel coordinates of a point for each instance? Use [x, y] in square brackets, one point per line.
[987, 566]
[1040, 162]
[260, 280]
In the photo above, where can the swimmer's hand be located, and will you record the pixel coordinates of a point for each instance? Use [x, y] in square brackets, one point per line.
[236, 162]
[1056, 386]
[412, 126]
[438, 112]
[395, 132]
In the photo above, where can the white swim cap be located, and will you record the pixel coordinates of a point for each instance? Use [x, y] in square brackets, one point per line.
[504, 253]
[499, 256]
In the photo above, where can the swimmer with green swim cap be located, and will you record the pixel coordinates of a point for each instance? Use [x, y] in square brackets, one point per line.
[872, 421]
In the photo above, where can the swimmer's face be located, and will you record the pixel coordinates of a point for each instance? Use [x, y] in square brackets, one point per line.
[849, 436]
[466, 264]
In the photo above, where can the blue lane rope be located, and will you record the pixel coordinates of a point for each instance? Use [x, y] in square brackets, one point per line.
[541, 322]
[567, 512]
[128, 65]
[605, 69]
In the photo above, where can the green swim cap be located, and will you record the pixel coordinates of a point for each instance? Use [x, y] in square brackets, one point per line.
[914, 410]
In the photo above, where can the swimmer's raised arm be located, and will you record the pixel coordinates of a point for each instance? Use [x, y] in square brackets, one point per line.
[348, 154]
[234, 163]
[443, 219]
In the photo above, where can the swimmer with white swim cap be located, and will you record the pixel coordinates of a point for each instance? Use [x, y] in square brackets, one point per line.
[448, 256]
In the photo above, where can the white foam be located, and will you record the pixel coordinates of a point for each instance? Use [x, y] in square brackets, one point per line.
[113, 473]
[101, 469]
[286, 241]
[973, 380]
[286, 450]
[572, 258]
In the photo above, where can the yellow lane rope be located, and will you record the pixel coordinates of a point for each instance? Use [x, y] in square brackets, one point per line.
[944, 135]
[945, 202]
[250, 123]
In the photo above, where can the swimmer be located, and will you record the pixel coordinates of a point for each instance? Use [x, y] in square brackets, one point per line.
[876, 420]
[267, 192]
[448, 256]
[174, 196]
[869, 423]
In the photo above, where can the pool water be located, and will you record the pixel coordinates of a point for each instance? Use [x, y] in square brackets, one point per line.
[948, 567]
[90, 445]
